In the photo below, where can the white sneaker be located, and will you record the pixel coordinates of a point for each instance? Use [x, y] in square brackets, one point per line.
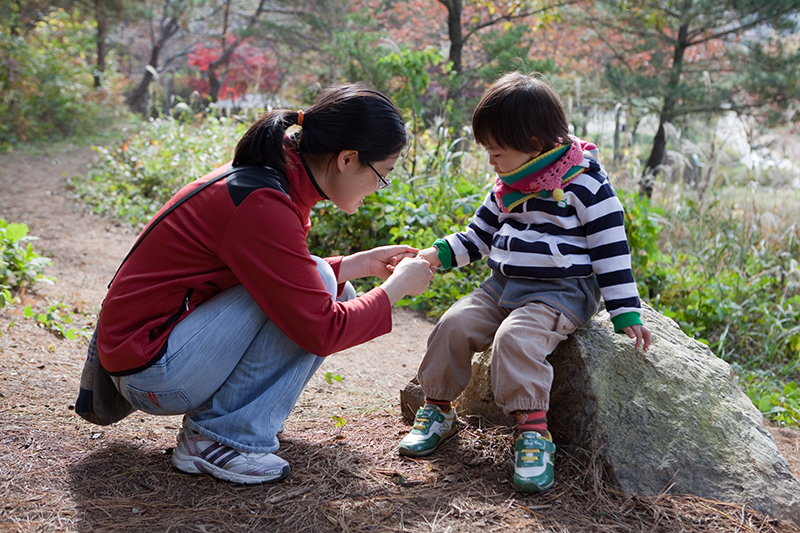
[198, 454]
[533, 462]
[431, 428]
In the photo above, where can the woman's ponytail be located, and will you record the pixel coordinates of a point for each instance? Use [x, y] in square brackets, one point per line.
[262, 144]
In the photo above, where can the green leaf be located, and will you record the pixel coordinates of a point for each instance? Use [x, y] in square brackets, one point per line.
[16, 232]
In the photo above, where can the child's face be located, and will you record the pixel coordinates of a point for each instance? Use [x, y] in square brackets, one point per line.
[505, 159]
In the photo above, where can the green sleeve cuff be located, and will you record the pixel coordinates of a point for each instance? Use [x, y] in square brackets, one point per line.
[444, 253]
[626, 319]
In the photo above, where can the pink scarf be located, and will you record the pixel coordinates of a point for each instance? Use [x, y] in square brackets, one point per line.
[543, 176]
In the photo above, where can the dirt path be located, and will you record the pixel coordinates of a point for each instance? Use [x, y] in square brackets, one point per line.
[59, 473]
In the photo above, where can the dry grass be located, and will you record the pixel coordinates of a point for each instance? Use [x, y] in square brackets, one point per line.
[61, 474]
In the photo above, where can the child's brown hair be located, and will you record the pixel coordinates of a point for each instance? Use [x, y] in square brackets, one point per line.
[518, 110]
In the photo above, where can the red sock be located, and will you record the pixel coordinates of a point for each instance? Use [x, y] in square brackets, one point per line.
[444, 405]
[532, 421]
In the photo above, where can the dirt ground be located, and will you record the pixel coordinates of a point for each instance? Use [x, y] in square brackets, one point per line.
[59, 473]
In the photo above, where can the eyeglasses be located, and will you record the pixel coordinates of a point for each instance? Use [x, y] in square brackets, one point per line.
[383, 181]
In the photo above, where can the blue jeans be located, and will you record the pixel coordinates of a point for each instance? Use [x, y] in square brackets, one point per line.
[234, 373]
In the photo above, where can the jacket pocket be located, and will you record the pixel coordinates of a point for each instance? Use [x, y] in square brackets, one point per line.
[174, 318]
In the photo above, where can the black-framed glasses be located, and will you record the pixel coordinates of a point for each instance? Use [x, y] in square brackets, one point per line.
[383, 181]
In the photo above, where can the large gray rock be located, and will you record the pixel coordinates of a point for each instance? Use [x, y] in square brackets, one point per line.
[671, 419]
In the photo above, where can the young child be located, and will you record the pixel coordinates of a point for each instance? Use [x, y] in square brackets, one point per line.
[552, 228]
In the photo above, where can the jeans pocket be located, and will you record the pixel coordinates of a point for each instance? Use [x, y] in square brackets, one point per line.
[173, 402]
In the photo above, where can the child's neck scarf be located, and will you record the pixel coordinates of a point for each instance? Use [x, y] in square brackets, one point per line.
[543, 176]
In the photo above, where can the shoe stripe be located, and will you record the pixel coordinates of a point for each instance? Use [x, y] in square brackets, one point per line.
[219, 454]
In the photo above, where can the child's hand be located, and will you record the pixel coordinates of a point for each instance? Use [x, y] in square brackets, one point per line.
[431, 255]
[640, 333]
[384, 259]
[428, 254]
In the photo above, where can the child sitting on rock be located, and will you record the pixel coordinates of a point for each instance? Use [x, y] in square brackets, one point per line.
[552, 229]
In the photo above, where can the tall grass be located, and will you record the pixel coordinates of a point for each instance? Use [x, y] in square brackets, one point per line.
[736, 257]
[729, 276]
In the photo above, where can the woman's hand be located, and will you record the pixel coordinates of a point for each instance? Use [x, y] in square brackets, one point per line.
[411, 277]
[379, 262]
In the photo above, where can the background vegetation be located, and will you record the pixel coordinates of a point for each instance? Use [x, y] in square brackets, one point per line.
[692, 103]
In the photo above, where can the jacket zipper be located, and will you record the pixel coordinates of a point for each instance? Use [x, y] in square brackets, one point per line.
[174, 317]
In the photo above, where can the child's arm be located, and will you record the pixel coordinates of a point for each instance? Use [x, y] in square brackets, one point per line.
[640, 333]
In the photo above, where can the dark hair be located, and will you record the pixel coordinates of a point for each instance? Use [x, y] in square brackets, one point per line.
[345, 117]
[516, 108]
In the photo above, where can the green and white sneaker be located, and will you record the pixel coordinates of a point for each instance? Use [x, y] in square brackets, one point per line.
[533, 468]
[431, 428]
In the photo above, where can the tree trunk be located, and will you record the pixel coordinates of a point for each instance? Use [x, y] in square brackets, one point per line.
[634, 131]
[102, 31]
[656, 158]
[137, 99]
[617, 147]
[213, 83]
[454, 10]
[659, 149]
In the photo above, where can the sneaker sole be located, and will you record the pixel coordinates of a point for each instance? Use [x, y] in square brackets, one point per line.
[424, 453]
[189, 464]
[530, 487]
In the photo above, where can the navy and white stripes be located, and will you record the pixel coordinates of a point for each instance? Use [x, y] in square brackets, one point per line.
[539, 239]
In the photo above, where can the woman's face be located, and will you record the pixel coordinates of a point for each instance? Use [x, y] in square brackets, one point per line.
[505, 159]
[356, 180]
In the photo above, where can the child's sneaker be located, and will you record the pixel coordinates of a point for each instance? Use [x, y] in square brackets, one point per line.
[533, 468]
[431, 427]
[198, 454]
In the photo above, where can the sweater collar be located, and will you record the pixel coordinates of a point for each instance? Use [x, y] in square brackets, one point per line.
[304, 190]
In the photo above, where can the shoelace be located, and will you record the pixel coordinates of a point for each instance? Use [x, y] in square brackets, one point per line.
[423, 422]
[529, 455]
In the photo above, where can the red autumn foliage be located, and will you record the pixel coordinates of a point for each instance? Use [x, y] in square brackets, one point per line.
[249, 69]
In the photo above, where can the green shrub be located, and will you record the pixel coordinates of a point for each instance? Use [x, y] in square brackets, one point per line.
[777, 400]
[46, 80]
[20, 266]
[58, 319]
[130, 182]
[643, 222]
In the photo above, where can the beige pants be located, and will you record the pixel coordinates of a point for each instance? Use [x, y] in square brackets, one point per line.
[521, 339]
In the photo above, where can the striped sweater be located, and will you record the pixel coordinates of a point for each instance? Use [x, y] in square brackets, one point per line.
[540, 240]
